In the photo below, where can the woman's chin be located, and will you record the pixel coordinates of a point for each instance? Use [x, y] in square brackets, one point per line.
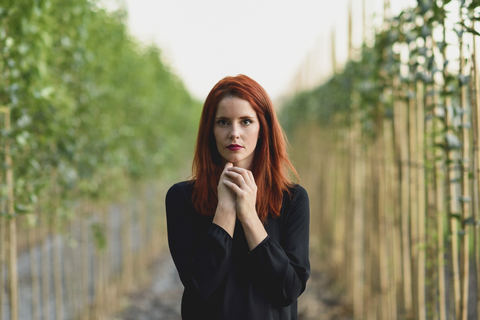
[241, 163]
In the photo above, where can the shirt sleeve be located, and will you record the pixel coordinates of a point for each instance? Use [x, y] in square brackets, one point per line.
[282, 270]
[202, 260]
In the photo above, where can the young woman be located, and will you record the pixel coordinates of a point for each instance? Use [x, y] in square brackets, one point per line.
[238, 231]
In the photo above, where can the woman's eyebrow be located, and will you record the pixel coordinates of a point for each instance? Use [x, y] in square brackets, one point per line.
[242, 117]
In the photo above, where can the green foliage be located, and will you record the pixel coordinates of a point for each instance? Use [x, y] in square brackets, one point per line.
[320, 104]
[365, 89]
[332, 103]
[87, 101]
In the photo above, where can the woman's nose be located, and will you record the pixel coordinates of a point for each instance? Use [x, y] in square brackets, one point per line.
[234, 131]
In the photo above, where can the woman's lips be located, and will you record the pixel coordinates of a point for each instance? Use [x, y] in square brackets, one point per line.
[234, 147]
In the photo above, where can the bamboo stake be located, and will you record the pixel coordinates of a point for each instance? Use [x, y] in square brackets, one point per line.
[3, 208]
[400, 128]
[34, 273]
[112, 277]
[12, 225]
[464, 243]
[85, 252]
[421, 210]
[440, 211]
[126, 247]
[383, 227]
[431, 267]
[340, 212]
[350, 243]
[100, 274]
[45, 257]
[100, 266]
[414, 190]
[452, 194]
[57, 265]
[358, 235]
[405, 208]
[109, 305]
[393, 237]
[142, 222]
[368, 253]
[439, 176]
[71, 277]
[2, 264]
[476, 136]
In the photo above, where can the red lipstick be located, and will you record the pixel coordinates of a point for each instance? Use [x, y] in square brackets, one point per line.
[234, 147]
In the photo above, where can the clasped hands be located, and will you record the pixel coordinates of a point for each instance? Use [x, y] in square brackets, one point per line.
[237, 190]
[237, 195]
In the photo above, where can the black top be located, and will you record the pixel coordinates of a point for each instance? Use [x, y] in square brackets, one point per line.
[222, 278]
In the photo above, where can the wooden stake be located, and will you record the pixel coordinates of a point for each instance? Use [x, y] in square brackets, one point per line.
[451, 156]
[414, 190]
[3, 232]
[45, 263]
[401, 128]
[421, 205]
[12, 224]
[440, 181]
[464, 243]
[57, 264]
[383, 227]
[34, 273]
[358, 231]
[392, 212]
[476, 137]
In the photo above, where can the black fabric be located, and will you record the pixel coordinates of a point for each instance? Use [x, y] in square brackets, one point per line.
[222, 279]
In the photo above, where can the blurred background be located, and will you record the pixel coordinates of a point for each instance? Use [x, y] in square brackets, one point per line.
[99, 107]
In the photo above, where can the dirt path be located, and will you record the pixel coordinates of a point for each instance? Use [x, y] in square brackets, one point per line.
[161, 301]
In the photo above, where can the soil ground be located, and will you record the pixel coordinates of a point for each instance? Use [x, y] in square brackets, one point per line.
[161, 299]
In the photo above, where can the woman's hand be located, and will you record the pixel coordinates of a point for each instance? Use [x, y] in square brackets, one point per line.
[226, 197]
[242, 183]
[225, 215]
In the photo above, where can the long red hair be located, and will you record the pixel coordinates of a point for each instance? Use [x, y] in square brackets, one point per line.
[270, 163]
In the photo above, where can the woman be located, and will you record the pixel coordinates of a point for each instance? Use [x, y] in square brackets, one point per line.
[238, 231]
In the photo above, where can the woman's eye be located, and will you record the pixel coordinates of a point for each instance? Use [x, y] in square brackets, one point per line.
[247, 121]
[222, 122]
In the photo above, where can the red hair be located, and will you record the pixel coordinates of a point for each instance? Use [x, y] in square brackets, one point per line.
[270, 162]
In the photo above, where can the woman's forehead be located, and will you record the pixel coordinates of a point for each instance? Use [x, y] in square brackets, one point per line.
[235, 107]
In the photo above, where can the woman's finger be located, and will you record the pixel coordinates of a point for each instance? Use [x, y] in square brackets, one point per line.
[250, 174]
[246, 174]
[233, 186]
[238, 177]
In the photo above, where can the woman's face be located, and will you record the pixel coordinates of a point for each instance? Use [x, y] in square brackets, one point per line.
[236, 131]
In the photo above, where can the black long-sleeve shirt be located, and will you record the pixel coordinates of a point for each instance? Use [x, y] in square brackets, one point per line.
[223, 279]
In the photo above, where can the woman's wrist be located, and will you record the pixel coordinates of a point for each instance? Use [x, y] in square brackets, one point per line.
[254, 230]
[225, 217]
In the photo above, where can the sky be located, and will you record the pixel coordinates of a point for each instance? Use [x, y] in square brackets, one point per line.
[268, 40]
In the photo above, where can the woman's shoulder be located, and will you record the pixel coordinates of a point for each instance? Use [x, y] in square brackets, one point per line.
[181, 189]
[294, 198]
[297, 192]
